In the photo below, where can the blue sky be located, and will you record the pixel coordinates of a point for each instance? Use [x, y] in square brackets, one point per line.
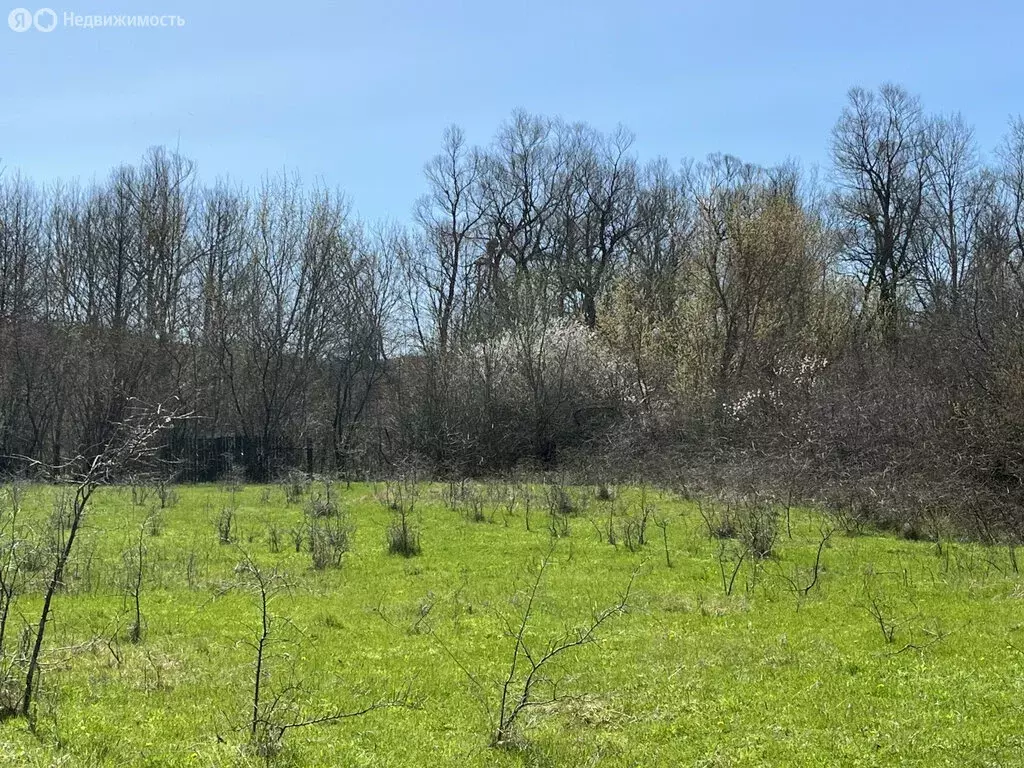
[357, 94]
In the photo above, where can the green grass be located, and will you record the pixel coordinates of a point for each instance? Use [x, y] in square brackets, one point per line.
[688, 676]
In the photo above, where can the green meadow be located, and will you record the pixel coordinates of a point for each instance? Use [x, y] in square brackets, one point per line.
[896, 652]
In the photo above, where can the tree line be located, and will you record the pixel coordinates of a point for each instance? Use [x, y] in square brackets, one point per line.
[554, 301]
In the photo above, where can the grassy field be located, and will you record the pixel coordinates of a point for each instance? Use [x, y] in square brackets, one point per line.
[901, 653]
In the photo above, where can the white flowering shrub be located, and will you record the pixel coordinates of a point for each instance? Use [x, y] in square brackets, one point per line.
[789, 379]
[537, 388]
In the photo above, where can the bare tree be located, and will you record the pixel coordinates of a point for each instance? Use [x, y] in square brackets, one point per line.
[281, 311]
[1011, 178]
[881, 163]
[131, 442]
[449, 217]
[956, 195]
[597, 215]
[361, 340]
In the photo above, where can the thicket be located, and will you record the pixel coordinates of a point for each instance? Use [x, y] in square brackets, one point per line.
[554, 303]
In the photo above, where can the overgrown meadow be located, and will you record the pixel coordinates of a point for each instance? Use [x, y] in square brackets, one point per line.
[381, 623]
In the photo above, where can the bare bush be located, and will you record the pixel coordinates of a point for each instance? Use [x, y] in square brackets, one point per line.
[154, 523]
[759, 526]
[474, 504]
[274, 538]
[276, 709]
[166, 493]
[134, 560]
[294, 488]
[403, 537]
[400, 496]
[720, 518]
[321, 507]
[225, 524]
[329, 539]
[562, 502]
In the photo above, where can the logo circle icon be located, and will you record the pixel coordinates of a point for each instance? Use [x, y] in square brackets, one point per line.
[20, 19]
[45, 20]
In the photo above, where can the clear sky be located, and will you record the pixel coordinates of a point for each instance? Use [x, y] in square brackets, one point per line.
[357, 94]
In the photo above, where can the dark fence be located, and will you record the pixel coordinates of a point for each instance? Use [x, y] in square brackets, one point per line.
[199, 459]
